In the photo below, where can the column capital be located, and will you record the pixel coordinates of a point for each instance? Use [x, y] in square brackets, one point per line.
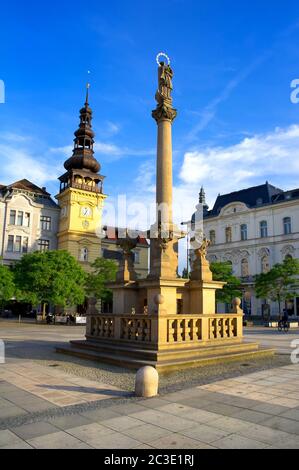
[164, 113]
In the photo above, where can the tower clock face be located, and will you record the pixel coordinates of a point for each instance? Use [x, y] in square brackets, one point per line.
[86, 212]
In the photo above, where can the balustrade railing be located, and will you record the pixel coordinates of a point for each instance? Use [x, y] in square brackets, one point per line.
[168, 329]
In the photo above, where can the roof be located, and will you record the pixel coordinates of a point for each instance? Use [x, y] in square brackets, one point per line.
[252, 197]
[28, 186]
[112, 235]
[41, 196]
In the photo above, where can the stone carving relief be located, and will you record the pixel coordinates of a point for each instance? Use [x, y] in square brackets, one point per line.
[233, 209]
[263, 252]
[288, 250]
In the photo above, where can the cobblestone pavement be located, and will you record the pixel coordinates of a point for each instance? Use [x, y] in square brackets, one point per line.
[45, 407]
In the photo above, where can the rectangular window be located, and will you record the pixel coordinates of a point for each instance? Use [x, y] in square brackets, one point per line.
[25, 245]
[27, 219]
[213, 237]
[228, 235]
[287, 226]
[10, 243]
[264, 229]
[244, 233]
[110, 254]
[20, 218]
[18, 244]
[43, 245]
[137, 257]
[45, 223]
[12, 217]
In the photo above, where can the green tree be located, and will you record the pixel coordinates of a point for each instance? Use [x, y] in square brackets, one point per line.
[50, 277]
[224, 272]
[280, 283]
[7, 286]
[104, 271]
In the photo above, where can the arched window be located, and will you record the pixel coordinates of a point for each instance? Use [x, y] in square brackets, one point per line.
[244, 268]
[287, 225]
[213, 237]
[244, 232]
[84, 254]
[264, 229]
[288, 257]
[265, 264]
[228, 235]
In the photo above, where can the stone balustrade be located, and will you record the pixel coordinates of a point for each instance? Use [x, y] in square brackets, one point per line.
[173, 329]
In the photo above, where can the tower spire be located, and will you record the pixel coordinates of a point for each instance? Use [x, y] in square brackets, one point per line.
[202, 200]
[202, 196]
[82, 162]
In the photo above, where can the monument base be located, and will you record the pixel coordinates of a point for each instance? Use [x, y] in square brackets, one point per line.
[169, 360]
[167, 342]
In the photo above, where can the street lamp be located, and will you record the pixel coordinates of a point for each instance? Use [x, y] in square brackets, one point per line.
[188, 244]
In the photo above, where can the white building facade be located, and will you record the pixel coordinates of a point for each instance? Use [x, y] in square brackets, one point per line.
[255, 229]
[28, 220]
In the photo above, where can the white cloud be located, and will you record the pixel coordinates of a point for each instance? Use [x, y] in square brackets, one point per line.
[18, 162]
[273, 156]
[112, 128]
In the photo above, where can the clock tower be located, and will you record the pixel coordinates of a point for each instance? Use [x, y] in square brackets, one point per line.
[81, 196]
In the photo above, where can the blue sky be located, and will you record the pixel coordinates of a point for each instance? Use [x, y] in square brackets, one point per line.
[233, 63]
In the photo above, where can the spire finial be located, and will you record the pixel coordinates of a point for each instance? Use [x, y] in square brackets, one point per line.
[87, 94]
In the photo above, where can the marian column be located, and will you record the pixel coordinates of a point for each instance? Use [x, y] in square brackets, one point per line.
[164, 115]
[164, 258]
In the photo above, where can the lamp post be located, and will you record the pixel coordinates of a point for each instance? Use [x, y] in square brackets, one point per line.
[188, 244]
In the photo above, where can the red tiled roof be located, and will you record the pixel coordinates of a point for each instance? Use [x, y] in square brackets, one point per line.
[112, 235]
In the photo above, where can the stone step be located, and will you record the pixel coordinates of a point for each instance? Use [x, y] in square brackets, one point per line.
[212, 360]
[185, 350]
[240, 352]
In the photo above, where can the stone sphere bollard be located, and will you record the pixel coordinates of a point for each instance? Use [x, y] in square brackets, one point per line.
[237, 302]
[147, 382]
[237, 306]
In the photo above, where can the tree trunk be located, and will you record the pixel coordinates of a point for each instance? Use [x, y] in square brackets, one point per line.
[279, 306]
[44, 311]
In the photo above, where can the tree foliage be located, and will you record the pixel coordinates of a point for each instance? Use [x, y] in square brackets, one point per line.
[7, 286]
[52, 277]
[223, 272]
[104, 271]
[280, 283]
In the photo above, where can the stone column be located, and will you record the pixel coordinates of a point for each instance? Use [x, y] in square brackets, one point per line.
[164, 259]
[164, 170]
